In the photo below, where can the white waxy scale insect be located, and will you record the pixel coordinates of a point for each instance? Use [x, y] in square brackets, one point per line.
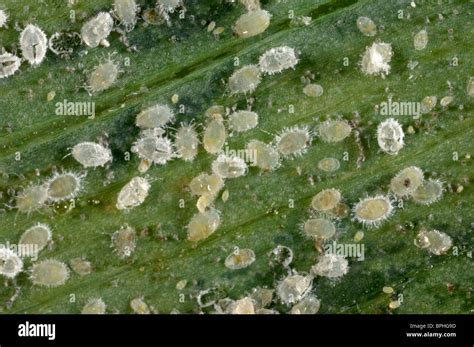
[326, 200]
[329, 164]
[313, 90]
[376, 59]
[435, 241]
[366, 26]
[139, 306]
[186, 142]
[277, 59]
[319, 228]
[407, 181]
[331, 266]
[420, 40]
[252, 23]
[334, 130]
[251, 5]
[133, 194]
[446, 100]
[64, 186]
[245, 80]
[124, 241]
[38, 236]
[372, 211]
[266, 156]
[32, 198]
[3, 18]
[10, 263]
[214, 136]
[102, 77]
[33, 44]
[242, 306]
[390, 136]
[293, 288]
[294, 141]
[428, 192]
[155, 116]
[91, 154]
[49, 273]
[241, 121]
[94, 306]
[81, 266]
[169, 5]
[229, 166]
[202, 225]
[428, 104]
[9, 64]
[309, 305]
[240, 259]
[97, 29]
[206, 184]
[153, 149]
[126, 11]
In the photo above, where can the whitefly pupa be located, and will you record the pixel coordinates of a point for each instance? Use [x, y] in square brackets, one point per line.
[103, 76]
[241, 121]
[186, 142]
[229, 166]
[133, 193]
[326, 200]
[10, 263]
[155, 116]
[240, 259]
[91, 154]
[64, 186]
[376, 59]
[126, 11]
[331, 266]
[215, 135]
[94, 306]
[277, 59]
[33, 44]
[9, 64]
[266, 157]
[407, 181]
[252, 23]
[373, 211]
[293, 288]
[390, 136]
[366, 26]
[153, 149]
[319, 228]
[32, 198]
[293, 141]
[206, 184]
[203, 224]
[428, 192]
[97, 29]
[245, 80]
[420, 40]
[39, 235]
[124, 241]
[334, 130]
[49, 273]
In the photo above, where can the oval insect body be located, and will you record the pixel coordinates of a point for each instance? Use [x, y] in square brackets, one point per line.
[334, 130]
[240, 259]
[133, 193]
[435, 241]
[97, 29]
[3, 18]
[10, 263]
[309, 305]
[158, 150]
[376, 59]
[329, 164]
[9, 64]
[372, 211]
[420, 40]
[49, 273]
[278, 59]
[124, 241]
[214, 136]
[139, 306]
[319, 228]
[293, 288]
[390, 136]
[265, 157]
[91, 154]
[243, 120]
[366, 26]
[206, 184]
[428, 192]
[94, 306]
[33, 44]
[407, 181]
[229, 166]
[102, 77]
[326, 200]
[126, 11]
[155, 116]
[64, 186]
[313, 90]
[81, 266]
[203, 225]
[252, 23]
[293, 141]
[331, 266]
[32, 198]
[241, 306]
[187, 142]
[245, 80]
[38, 235]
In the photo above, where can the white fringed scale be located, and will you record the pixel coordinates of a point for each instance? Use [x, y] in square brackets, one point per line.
[277, 59]
[33, 44]
[373, 211]
[91, 154]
